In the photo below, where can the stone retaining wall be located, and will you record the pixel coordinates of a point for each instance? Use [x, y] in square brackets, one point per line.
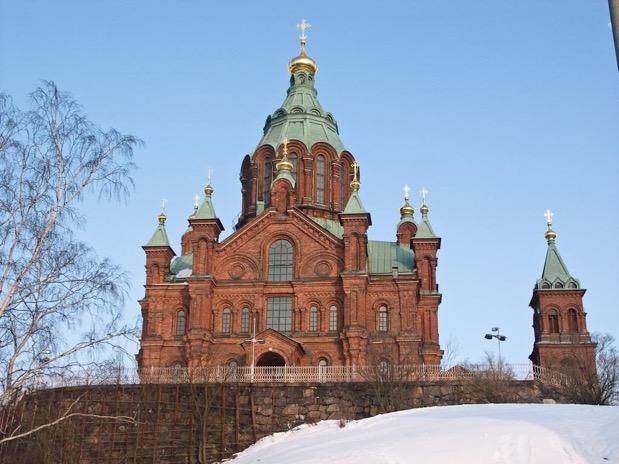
[187, 423]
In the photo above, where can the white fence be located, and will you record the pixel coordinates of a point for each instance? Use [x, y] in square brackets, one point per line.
[303, 374]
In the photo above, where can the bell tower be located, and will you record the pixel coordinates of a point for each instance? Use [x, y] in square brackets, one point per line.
[559, 318]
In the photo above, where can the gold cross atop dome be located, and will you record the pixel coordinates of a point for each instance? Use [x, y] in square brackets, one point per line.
[162, 217]
[355, 184]
[550, 234]
[284, 164]
[208, 190]
[302, 62]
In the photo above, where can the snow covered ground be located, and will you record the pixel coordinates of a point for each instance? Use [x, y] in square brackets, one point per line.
[494, 433]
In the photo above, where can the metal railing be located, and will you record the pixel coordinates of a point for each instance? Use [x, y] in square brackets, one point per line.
[302, 374]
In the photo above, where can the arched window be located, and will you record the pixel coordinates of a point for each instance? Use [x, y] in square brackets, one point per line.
[383, 320]
[181, 322]
[293, 159]
[545, 285]
[572, 285]
[313, 319]
[226, 321]
[266, 182]
[245, 320]
[280, 261]
[333, 318]
[320, 179]
[558, 285]
[553, 322]
[572, 320]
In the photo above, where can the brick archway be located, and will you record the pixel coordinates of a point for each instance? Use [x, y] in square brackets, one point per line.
[271, 359]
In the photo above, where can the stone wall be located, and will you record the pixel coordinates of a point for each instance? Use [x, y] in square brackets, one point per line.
[187, 423]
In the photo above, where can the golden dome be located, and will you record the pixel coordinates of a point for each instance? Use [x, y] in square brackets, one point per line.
[284, 165]
[302, 62]
[550, 234]
[162, 218]
[407, 210]
[208, 190]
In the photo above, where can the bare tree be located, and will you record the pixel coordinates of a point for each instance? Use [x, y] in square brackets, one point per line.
[59, 303]
[589, 381]
[491, 381]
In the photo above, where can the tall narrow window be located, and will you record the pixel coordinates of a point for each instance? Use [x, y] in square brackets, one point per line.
[226, 321]
[266, 182]
[180, 323]
[313, 319]
[280, 261]
[279, 313]
[320, 179]
[572, 319]
[245, 320]
[383, 321]
[333, 319]
[553, 322]
[293, 159]
[344, 185]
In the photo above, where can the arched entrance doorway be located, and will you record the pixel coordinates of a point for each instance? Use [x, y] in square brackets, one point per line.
[271, 359]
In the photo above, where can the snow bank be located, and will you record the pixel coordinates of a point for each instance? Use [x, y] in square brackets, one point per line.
[468, 434]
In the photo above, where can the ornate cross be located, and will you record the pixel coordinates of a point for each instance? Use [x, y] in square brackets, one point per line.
[163, 202]
[355, 170]
[303, 26]
[285, 149]
[424, 194]
[548, 215]
[210, 175]
[407, 190]
[196, 198]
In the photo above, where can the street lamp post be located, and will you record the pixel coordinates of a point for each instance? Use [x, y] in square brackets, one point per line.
[496, 333]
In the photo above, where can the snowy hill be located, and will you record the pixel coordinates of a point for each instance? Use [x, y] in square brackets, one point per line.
[509, 433]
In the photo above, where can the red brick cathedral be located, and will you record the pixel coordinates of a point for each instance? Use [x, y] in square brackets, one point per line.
[299, 264]
[300, 270]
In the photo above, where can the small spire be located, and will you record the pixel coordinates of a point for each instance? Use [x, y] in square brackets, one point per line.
[162, 217]
[406, 211]
[424, 203]
[284, 164]
[208, 190]
[355, 184]
[550, 234]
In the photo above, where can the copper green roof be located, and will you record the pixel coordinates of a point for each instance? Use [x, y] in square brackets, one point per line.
[555, 274]
[424, 229]
[287, 175]
[384, 257]
[301, 117]
[182, 266]
[206, 209]
[354, 205]
[331, 225]
[159, 238]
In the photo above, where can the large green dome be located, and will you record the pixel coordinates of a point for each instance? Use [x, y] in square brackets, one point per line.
[301, 116]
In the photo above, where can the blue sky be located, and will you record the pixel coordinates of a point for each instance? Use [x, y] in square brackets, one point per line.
[500, 108]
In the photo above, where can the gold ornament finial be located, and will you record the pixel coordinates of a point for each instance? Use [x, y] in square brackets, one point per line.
[550, 234]
[424, 203]
[355, 184]
[208, 190]
[284, 164]
[162, 217]
[302, 62]
[406, 210]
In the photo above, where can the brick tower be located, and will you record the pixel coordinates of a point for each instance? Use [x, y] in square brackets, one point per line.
[559, 318]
